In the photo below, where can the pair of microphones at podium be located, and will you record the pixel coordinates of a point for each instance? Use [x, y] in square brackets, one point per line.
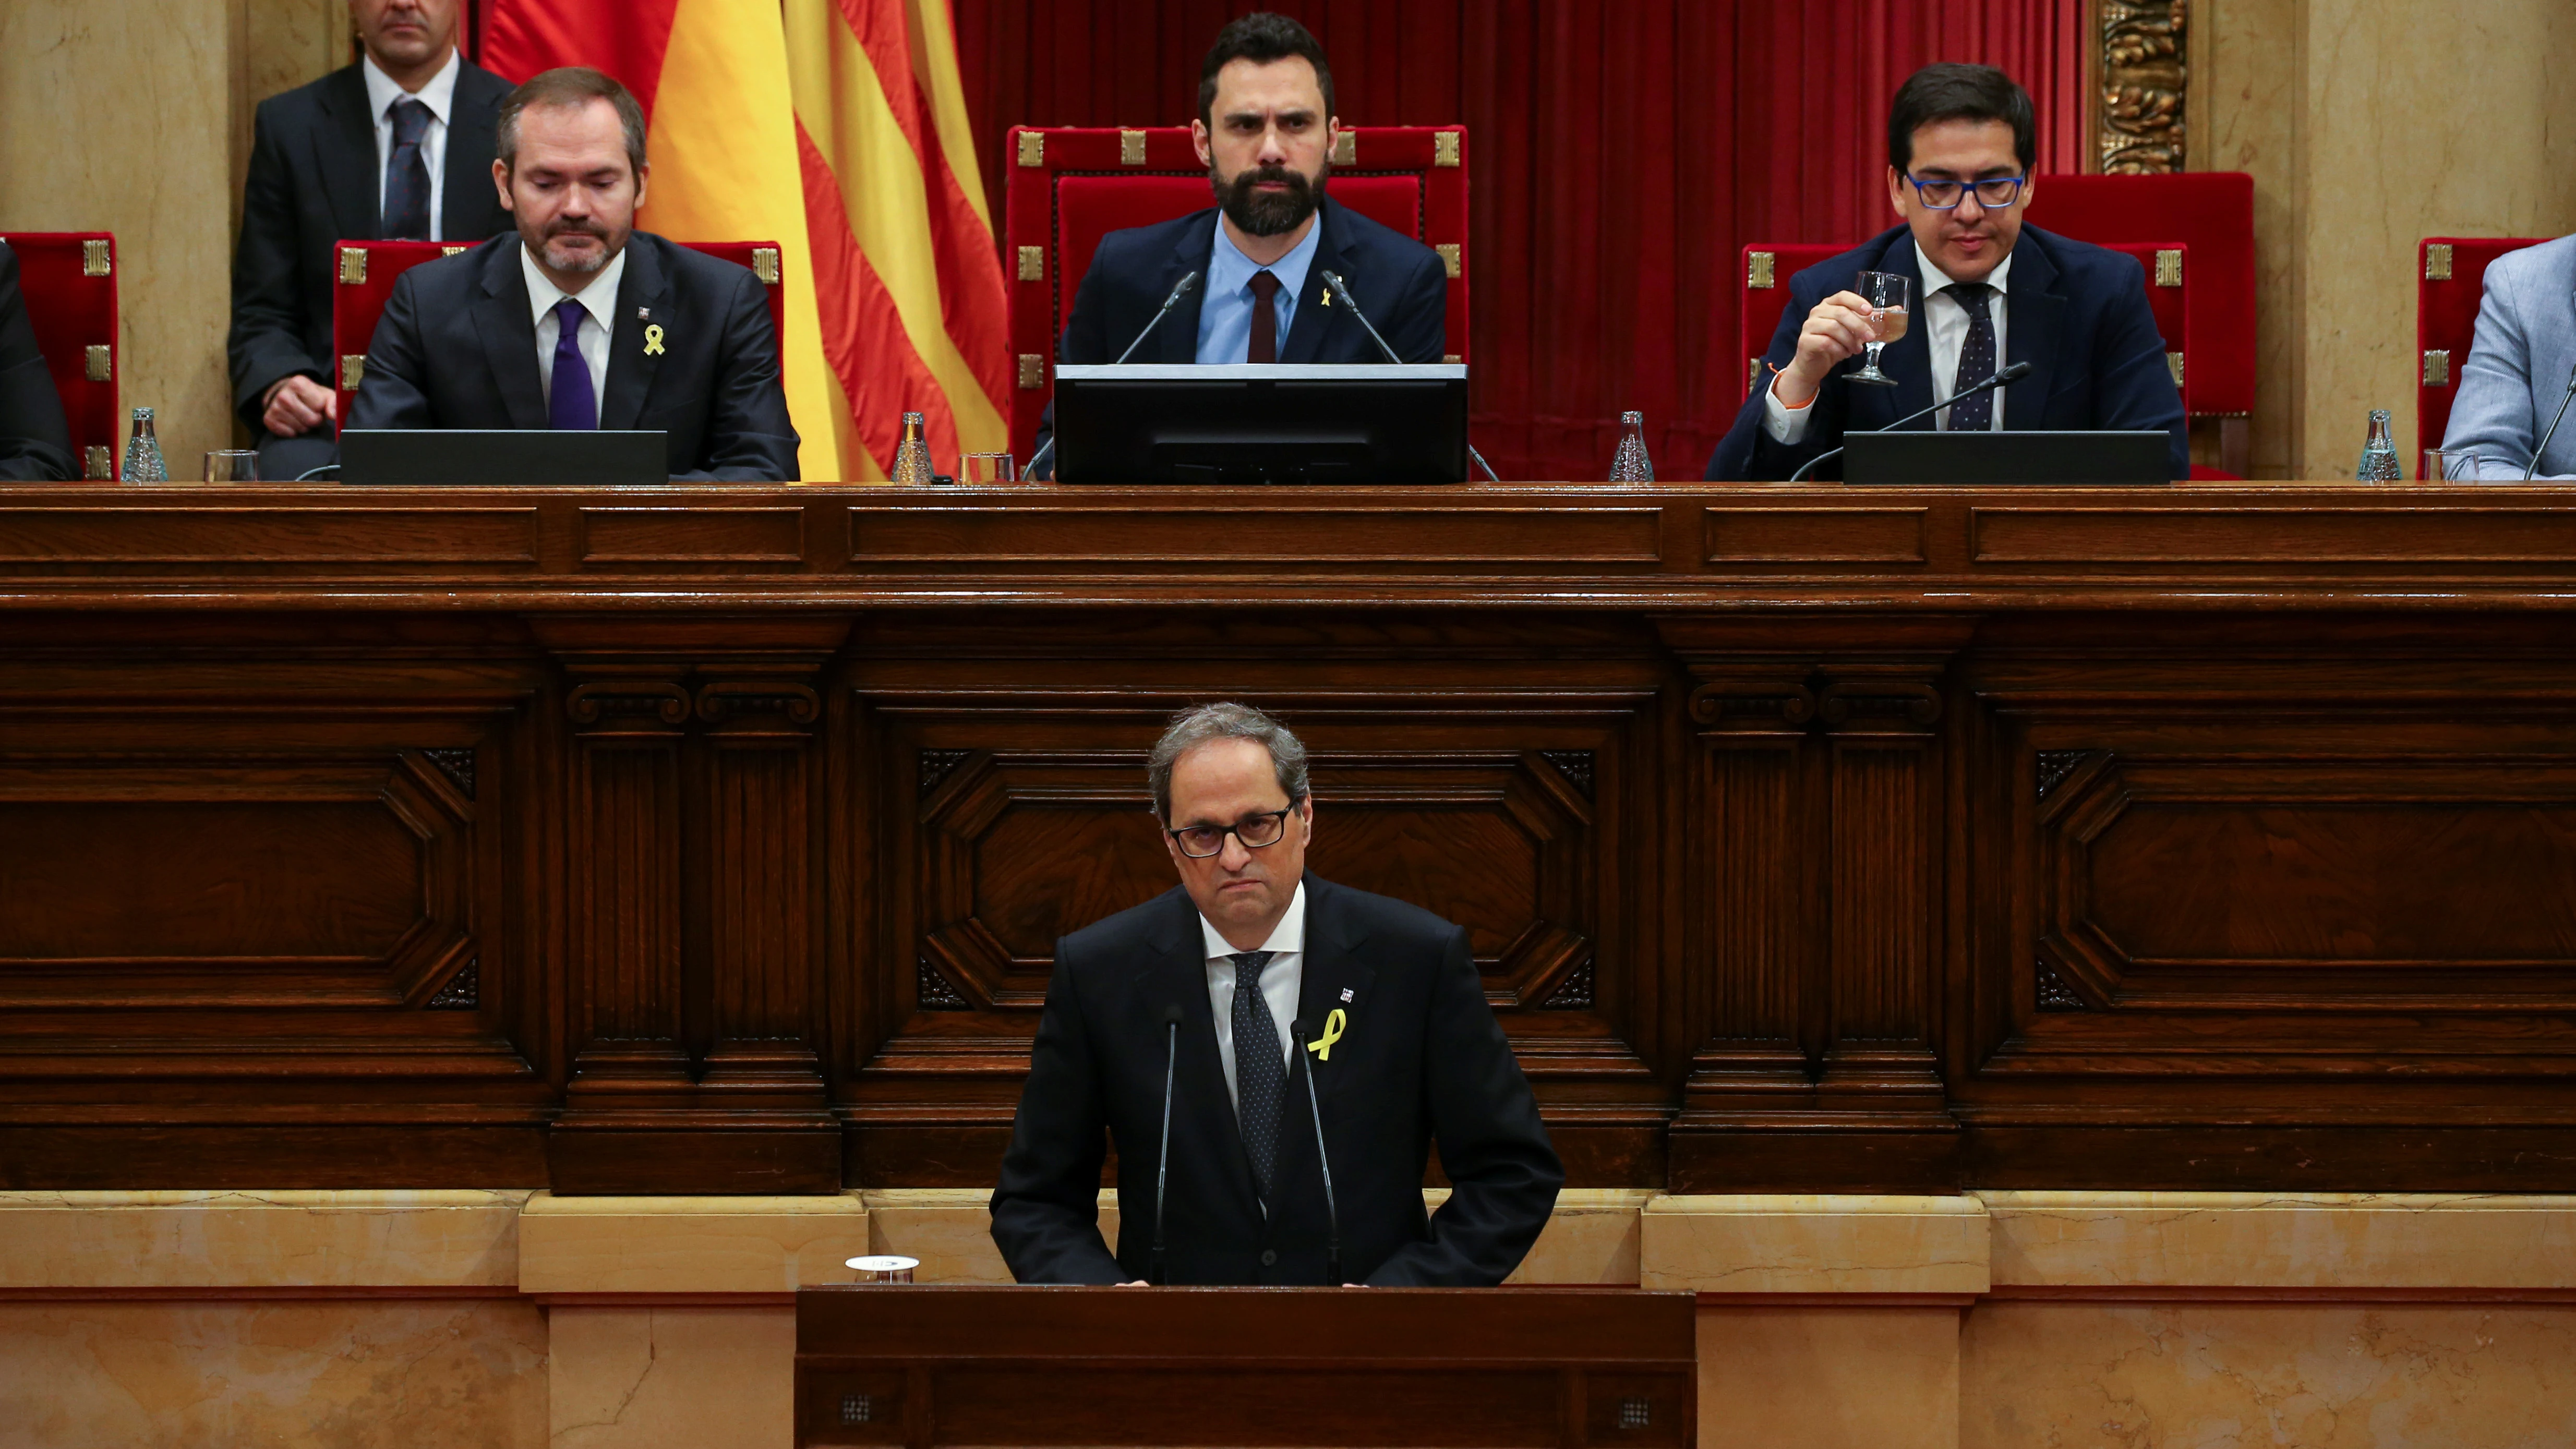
[1314, 1108]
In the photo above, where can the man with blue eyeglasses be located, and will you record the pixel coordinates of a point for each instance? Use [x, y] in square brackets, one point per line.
[1986, 292]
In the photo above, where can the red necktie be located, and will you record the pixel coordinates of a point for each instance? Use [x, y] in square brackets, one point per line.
[1265, 318]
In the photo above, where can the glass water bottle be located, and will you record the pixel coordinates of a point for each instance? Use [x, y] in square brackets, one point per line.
[143, 452]
[1632, 463]
[912, 455]
[2379, 455]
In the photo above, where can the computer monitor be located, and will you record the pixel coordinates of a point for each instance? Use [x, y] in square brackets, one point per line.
[1239, 423]
[2090, 459]
[389, 456]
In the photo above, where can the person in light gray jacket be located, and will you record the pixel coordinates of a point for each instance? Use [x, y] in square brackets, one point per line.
[2521, 366]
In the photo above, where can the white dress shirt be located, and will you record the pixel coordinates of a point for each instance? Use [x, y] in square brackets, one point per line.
[440, 96]
[1944, 320]
[598, 302]
[1280, 982]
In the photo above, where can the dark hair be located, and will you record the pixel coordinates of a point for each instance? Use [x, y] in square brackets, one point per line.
[1953, 92]
[1261, 38]
[571, 85]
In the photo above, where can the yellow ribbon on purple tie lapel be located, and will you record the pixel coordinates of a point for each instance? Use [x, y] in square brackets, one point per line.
[1322, 1046]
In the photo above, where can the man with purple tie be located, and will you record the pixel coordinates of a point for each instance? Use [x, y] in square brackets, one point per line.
[579, 321]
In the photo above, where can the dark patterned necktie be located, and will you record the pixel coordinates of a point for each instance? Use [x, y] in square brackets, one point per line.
[1976, 360]
[574, 403]
[1265, 319]
[407, 173]
[1260, 1078]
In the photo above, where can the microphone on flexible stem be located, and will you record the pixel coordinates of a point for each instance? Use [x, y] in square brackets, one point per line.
[1163, 1166]
[1182, 288]
[2012, 374]
[2563, 399]
[1332, 1209]
[1333, 284]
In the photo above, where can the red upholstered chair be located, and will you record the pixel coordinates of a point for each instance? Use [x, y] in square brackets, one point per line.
[68, 279]
[1769, 266]
[367, 270]
[1072, 186]
[2211, 213]
[2454, 275]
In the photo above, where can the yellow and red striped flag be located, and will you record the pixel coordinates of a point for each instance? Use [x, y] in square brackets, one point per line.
[915, 318]
[837, 128]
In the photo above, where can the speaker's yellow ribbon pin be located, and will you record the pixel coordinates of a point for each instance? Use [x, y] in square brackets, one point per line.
[1322, 1046]
[653, 340]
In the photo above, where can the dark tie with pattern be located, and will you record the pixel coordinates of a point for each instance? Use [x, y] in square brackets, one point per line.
[1265, 319]
[407, 173]
[1260, 1078]
[573, 404]
[1976, 360]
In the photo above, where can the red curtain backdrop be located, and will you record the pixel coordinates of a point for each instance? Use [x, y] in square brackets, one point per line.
[1622, 154]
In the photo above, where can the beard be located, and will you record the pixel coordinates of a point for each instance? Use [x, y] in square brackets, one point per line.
[1273, 214]
[569, 259]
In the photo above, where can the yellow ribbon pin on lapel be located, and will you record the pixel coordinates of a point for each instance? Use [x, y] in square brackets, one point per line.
[1322, 1046]
[653, 340]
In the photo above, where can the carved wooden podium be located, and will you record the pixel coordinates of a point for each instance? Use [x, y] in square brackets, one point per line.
[940, 1365]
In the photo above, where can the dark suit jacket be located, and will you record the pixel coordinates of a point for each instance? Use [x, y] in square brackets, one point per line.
[2077, 314]
[313, 181]
[456, 348]
[1401, 283]
[1421, 1058]
[35, 441]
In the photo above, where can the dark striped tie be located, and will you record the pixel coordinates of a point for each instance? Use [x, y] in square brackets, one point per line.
[1260, 1077]
[407, 173]
[1976, 360]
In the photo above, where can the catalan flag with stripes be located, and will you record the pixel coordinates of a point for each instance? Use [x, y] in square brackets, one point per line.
[837, 128]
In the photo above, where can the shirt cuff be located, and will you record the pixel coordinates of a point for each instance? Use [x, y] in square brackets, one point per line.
[1785, 424]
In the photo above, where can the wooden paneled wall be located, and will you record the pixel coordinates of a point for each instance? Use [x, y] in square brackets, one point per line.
[717, 841]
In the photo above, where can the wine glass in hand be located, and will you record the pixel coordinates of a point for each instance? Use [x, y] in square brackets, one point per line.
[1888, 294]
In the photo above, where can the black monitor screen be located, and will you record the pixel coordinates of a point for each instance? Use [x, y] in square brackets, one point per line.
[1284, 423]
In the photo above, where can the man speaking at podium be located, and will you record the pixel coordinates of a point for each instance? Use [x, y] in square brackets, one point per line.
[578, 320]
[1240, 998]
[1256, 261]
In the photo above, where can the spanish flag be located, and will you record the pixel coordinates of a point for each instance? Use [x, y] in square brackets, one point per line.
[837, 128]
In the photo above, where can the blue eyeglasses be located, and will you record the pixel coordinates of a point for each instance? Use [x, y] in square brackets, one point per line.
[1993, 193]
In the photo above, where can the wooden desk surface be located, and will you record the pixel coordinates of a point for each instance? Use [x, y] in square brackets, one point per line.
[1810, 839]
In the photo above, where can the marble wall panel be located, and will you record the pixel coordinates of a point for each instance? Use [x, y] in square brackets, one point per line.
[688, 1244]
[1746, 1243]
[117, 115]
[1829, 1378]
[673, 1378]
[95, 1240]
[343, 1374]
[2315, 1375]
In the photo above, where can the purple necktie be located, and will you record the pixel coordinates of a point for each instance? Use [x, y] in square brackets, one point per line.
[573, 405]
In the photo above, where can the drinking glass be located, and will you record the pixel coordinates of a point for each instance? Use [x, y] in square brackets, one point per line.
[1887, 294]
[232, 465]
[987, 468]
[2449, 465]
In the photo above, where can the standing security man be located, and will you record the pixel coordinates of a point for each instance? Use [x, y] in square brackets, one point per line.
[1248, 955]
[397, 146]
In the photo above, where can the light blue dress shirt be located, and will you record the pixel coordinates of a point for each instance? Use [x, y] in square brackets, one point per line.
[1225, 318]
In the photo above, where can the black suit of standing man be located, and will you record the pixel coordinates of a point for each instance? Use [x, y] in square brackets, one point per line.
[35, 441]
[1401, 1048]
[398, 145]
[660, 337]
